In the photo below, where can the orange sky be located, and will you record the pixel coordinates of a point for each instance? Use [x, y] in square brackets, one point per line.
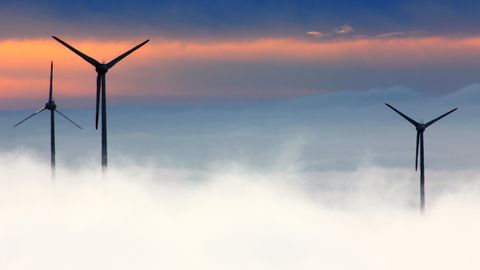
[25, 63]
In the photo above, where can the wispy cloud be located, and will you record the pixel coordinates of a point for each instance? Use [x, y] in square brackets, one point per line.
[402, 34]
[391, 34]
[344, 29]
[315, 34]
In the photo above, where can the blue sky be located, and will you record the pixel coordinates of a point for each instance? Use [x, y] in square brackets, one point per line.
[339, 131]
[236, 19]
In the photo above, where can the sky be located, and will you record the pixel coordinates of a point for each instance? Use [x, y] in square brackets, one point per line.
[244, 135]
[251, 70]
[240, 49]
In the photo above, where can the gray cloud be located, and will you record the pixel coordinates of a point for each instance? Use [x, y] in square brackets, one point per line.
[391, 34]
[271, 78]
[402, 34]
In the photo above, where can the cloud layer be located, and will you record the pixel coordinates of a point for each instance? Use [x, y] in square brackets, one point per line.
[234, 218]
[246, 19]
[263, 68]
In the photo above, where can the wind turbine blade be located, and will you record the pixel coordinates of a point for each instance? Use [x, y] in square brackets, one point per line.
[71, 121]
[440, 117]
[79, 53]
[416, 151]
[99, 82]
[30, 116]
[415, 123]
[118, 59]
[50, 97]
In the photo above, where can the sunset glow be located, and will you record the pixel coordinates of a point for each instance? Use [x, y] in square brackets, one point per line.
[25, 60]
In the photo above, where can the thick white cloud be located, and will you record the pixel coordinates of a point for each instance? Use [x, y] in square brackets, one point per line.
[234, 218]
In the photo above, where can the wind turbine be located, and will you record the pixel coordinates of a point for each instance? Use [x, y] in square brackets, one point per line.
[102, 70]
[52, 107]
[420, 129]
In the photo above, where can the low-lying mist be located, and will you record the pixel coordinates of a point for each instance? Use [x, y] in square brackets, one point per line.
[231, 217]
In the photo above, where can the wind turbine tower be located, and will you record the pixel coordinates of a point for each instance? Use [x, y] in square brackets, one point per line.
[101, 69]
[52, 107]
[420, 127]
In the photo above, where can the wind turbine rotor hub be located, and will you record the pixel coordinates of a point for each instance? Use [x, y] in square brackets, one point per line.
[102, 69]
[421, 128]
[51, 106]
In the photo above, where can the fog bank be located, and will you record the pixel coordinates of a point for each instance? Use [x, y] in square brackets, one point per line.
[233, 217]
